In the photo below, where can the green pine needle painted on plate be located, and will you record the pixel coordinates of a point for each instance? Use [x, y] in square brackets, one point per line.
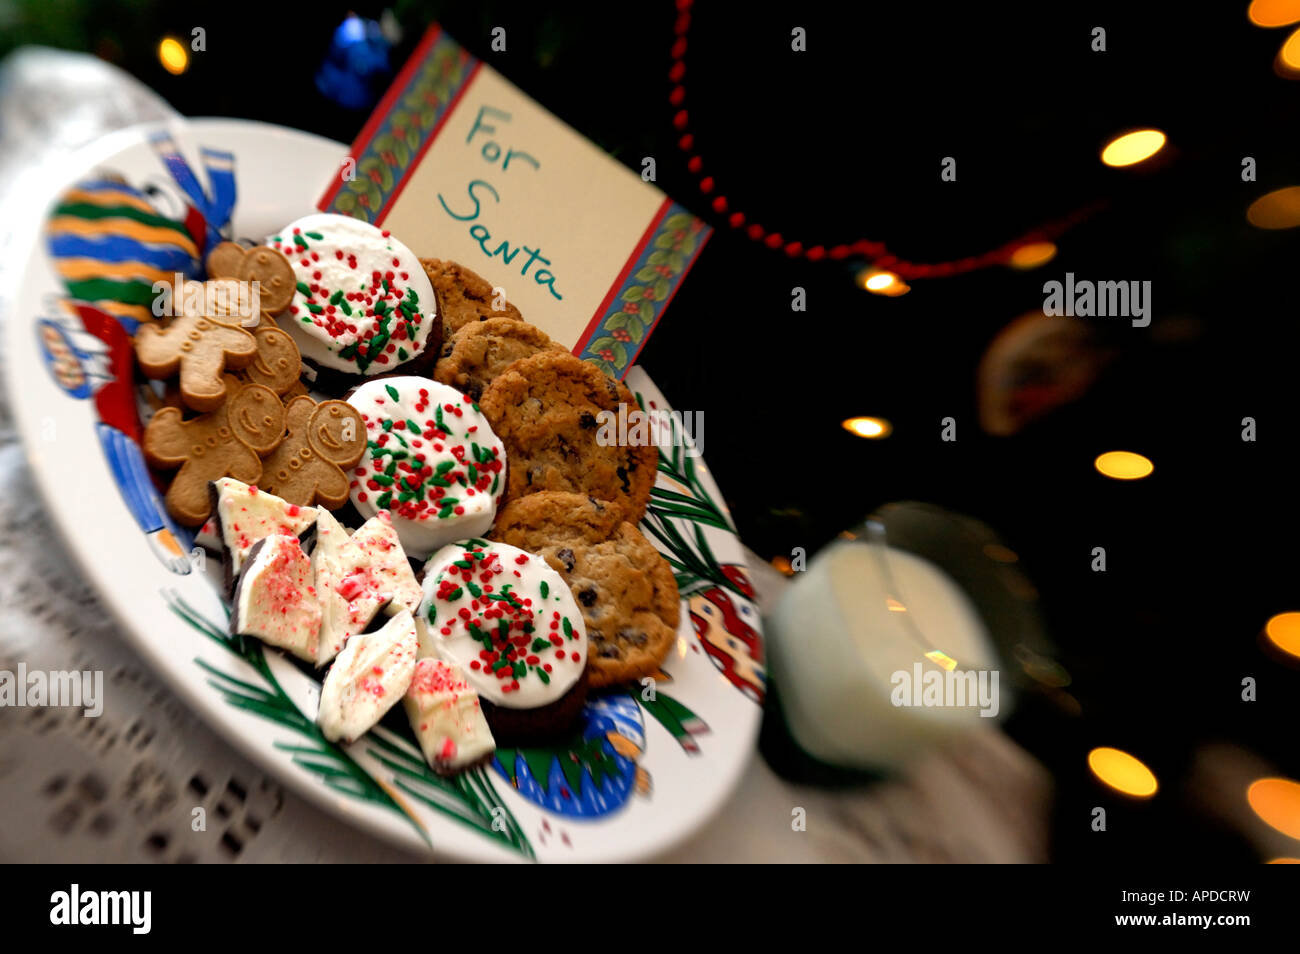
[680, 722]
[468, 797]
[693, 563]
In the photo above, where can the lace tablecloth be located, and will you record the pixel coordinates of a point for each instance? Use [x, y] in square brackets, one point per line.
[124, 786]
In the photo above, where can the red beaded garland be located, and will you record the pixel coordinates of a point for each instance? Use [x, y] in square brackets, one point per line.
[871, 250]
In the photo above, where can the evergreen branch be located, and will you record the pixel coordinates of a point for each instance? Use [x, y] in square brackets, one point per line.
[444, 802]
[479, 778]
[326, 760]
[701, 568]
[325, 770]
[704, 549]
[469, 798]
[706, 517]
[351, 787]
[225, 677]
[664, 494]
[401, 768]
[410, 763]
[269, 711]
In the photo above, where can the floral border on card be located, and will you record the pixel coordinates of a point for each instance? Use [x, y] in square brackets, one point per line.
[402, 127]
[632, 309]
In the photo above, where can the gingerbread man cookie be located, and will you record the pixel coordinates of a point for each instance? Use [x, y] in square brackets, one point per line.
[201, 349]
[307, 468]
[277, 364]
[271, 271]
[226, 442]
[274, 276]
[224, 260]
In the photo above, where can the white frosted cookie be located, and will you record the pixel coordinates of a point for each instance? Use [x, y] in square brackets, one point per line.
[431, 459]
[507, 620]
[446, 717]
[363, 303]
[244, 515]
[367, 679]
[275, 597]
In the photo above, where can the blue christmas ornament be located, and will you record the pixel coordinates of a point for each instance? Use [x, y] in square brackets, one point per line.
[356, 68]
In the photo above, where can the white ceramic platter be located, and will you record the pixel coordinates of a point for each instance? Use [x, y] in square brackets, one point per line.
[648, 765]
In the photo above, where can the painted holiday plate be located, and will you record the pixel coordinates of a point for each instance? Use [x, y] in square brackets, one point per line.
[644, 767]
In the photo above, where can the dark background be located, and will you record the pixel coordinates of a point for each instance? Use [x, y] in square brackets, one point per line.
[844, 142]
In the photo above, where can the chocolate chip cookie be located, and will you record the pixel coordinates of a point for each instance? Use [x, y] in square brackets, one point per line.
[463, 296]
[481, 350]
[557, 416]
[623, 586]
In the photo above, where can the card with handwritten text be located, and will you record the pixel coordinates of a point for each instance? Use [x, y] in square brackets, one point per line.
[461, 165]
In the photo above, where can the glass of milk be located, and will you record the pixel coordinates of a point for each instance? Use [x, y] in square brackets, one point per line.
[908, 630]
